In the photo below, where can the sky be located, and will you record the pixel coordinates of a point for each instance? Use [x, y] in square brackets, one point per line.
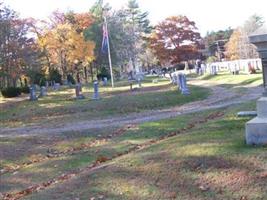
[209, 15]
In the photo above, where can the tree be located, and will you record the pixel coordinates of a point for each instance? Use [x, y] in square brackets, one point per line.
[67, 49]
[127, 28]
[175, 39]
[94, 33]
[239, 46]
[253, 23]
[18, 51]
[138, 25]
[214, 41]
[148, 59]
[248, 50]
[233, 45]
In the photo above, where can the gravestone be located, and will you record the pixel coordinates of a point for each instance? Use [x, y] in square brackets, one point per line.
[65, 82]
[56, 86]
[96, 93]
[69, 84]
[139, 82]
[174, 79]
[131, 80]
[33, 96]
[78, 92]
[200, 71]
[256, 129]
[139, 76]
[234, 68]
[105, 81]
[131, 84]
[182, 84]
[43, 91]
[34, 86]
[213, 69]
[53, 84]
[46, 84]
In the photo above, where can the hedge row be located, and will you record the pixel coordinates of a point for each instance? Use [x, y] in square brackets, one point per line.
[10, 92]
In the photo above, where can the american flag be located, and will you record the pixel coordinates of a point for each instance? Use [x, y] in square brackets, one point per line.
[104, 48]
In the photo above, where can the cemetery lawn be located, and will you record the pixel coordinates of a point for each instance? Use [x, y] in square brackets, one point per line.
[207, 159]
[228, 80]
[61, 107]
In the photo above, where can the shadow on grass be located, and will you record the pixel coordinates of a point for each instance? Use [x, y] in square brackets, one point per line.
[158, 175]
[51, 109]
[212, 162]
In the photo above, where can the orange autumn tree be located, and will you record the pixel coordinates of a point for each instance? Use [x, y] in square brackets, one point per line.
[65, 45]
[232, 47]
[175, 39]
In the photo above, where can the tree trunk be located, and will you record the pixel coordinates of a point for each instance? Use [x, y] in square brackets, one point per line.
[85, 74]
[20, 81]
[91, 71]
[78, 77]
[14, 82]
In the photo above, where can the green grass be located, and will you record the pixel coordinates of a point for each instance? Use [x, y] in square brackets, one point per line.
[213, 156]
[211, 161]
[60, 107]
[230, 80]
[67, 163]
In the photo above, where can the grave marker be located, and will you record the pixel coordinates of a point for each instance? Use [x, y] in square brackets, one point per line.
[78, 90]
[182, 84]
[56, 86]
[213, 69]
[43, 91]
[33, 96]
[174, 79]
[139, 82]
[105, 81]
[96, 94]
[256, 129]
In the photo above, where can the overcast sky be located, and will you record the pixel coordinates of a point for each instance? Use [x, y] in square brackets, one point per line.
[208, 14]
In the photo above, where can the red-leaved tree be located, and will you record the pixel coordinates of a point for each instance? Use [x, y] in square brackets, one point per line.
[175, 39]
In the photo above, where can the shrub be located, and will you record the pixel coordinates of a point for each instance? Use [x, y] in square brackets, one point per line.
[42, 81]
[37, 78]
[11, 92]
[25, 90]
[54, 75]
[103, 73]
[71, 79]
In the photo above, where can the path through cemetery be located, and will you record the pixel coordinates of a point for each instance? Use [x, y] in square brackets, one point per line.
[220, 97]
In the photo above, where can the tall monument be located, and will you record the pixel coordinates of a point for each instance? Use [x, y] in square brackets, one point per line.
[256, 129]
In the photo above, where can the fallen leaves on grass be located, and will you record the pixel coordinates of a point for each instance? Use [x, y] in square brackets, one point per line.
[102, 159]
[33, 159]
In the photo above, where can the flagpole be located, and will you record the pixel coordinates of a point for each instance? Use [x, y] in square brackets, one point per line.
[109, 56]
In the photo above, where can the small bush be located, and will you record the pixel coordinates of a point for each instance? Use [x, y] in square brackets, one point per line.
[42, 81]
[25, 90]
[11, 92]
[71, 79]
[54, 75]
[103, 73]
[37, 78]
